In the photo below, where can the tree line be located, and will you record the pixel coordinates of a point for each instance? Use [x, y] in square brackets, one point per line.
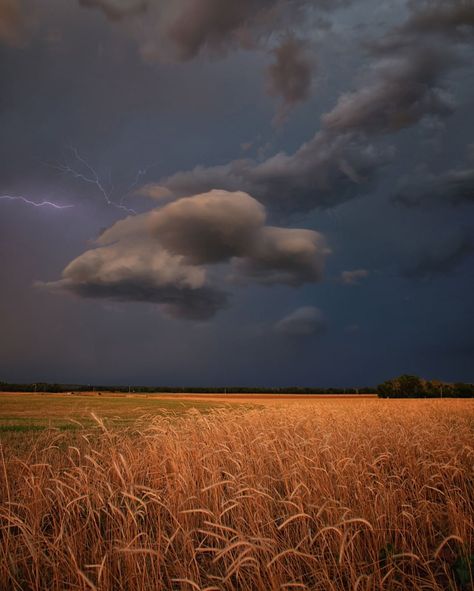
[58, 388]
[404, 386]
[408, 386]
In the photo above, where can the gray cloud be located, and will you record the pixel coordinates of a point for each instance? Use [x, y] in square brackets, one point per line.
[118, 9]
[327, 170]
[183, 29]
[454, 18]
[214, 24]
[353, 277]
[453, 187]
[136, 269]
[404, 89]
[289, 77]
[302, 322]
[283, 255]
[163, 256]
[210, 229]
[340, 161]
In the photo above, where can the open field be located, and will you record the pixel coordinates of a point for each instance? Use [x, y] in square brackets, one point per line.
[323, 494]
[26, 412]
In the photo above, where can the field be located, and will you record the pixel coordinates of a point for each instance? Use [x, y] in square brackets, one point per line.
[235, 493]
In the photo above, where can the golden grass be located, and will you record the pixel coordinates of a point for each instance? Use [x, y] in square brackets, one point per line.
[332, 495]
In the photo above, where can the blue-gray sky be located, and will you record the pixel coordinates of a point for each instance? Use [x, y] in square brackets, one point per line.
[251, 193]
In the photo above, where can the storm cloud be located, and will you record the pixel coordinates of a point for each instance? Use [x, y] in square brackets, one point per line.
[117, 9]
[405, 85]
[290, 76]
[454, 18]
[327, 170]
[165, 256]
[183, 29]
[404, 89]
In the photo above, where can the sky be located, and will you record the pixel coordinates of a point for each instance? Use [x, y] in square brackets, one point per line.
[212, 192]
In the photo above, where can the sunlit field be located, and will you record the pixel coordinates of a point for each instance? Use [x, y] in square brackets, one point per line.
[196, 494]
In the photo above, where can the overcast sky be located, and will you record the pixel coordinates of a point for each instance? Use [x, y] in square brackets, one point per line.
[213, 192]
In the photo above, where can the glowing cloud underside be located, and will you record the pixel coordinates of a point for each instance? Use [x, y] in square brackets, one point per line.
[184, 255]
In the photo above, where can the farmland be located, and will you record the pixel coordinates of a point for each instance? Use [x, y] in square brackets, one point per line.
[231, 493]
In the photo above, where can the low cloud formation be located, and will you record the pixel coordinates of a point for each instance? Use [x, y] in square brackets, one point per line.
[290, 76]
[353, 277]
[210, 228]
[403, 90]
[326, 171]
[284, 255]
[453, 187]
[183, 255]
[302, 322]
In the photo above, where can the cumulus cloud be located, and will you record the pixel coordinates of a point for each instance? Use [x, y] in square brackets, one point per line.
[165, 256]
[212, 228]
[302, 322]
[453, 187]
[353, 277]
[284, 255]
[290, 76]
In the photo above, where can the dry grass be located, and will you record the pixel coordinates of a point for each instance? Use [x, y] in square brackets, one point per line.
[332, 495]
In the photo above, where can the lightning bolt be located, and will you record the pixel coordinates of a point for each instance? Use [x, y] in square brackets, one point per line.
[86, 173]
[141, 172]
[35, 203]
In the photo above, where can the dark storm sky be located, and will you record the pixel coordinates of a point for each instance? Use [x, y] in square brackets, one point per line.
[261, 192]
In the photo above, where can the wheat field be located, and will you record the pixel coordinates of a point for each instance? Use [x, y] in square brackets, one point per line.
[326, 495]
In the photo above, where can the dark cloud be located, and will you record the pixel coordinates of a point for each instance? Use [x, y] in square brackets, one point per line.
[340, 161]
[302, 322]
[353, 277]
[161, 256]
[290, 76]
[283, 255]
[214, 24]
[117, 9]
[404, 89]
[135, 269]
[453, 187]
[454, 18]
[210, 229]
[183, 29]
[326, 171]
[441, 260]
